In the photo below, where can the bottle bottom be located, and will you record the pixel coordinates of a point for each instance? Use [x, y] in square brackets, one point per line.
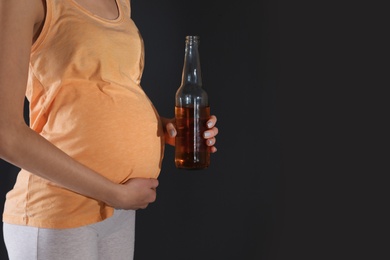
[182, 164]
[192, 168]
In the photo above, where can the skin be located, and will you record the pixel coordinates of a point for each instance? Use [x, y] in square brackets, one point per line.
[20, 25]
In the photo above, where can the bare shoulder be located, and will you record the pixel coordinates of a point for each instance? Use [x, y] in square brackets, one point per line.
[28, 14]
[20, 22]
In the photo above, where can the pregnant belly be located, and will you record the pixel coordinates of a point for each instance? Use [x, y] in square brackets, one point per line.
[116, 132]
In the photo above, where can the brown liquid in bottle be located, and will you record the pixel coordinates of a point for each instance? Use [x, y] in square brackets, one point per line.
[191, 151]
[192, 111]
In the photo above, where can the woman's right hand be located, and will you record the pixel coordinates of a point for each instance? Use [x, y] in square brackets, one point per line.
[136, 193]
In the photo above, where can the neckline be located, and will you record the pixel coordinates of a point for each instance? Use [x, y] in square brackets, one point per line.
[95, 16]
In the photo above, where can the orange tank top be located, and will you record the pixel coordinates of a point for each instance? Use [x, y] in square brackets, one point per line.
[86, 98]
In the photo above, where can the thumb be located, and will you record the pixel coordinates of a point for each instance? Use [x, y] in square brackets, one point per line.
[171, 130]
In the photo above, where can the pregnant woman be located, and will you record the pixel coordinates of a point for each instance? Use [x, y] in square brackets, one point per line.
[93, 150]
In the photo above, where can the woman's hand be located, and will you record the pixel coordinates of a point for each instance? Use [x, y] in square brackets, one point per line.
[170, 132]
[136, 193]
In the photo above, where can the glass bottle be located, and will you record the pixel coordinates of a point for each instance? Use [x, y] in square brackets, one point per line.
[192, 111]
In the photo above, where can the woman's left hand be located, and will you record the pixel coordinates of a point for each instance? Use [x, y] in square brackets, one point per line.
[210, 135]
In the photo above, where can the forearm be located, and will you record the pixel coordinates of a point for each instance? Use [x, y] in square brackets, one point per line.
[26, 149]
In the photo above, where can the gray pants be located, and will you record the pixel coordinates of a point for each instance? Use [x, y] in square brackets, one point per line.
[111, 239]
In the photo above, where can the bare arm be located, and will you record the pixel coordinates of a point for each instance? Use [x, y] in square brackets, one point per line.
[21, 146]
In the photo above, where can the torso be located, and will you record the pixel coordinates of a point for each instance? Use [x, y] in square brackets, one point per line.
[86, 98]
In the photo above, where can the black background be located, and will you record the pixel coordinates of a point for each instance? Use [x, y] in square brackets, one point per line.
[296, 86]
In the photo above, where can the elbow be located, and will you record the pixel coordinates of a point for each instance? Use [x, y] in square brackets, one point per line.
[10, 136]
[4, 140]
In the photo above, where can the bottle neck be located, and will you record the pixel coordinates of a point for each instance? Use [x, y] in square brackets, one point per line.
[191, 70]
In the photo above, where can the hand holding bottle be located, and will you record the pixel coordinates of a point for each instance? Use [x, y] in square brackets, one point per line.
[209, 135]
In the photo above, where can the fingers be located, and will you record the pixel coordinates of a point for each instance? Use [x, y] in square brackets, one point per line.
[211, 141]
[213, 130]
[171, 130]
[210, 134]
[212, 121]
[151, 195]
[139, 193]
[153, 184]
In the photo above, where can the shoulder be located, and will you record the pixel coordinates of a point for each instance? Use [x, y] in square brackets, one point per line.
[22, 12]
